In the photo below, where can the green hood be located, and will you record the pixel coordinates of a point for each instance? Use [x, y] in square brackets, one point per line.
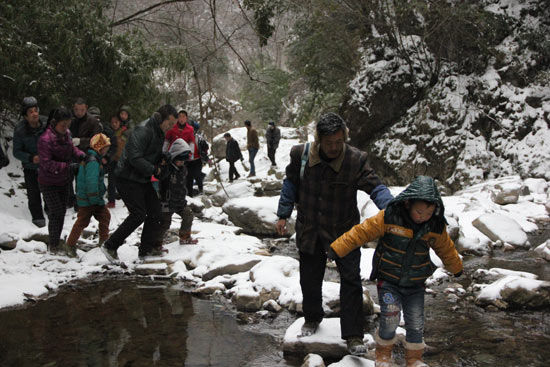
[422, 188]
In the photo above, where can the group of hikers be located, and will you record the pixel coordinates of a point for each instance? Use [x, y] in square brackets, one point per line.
[322, 180]
[152, 167]
[233, 151]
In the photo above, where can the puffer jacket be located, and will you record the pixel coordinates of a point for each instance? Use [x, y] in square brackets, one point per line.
[56, 153]
[402, 256]
[25, 142]
[142, 152]
[173, 188]
[90, 181]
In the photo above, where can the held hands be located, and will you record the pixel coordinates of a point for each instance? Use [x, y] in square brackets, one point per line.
[281, 227]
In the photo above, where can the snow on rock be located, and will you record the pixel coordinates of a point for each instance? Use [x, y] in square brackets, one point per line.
[511, 289]
[256, 215]
[543, 250]
[326, 342]
[501, 228]
[353, 361]
[507, 193]
[313, 360]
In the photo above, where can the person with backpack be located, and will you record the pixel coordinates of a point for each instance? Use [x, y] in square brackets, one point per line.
[172, 191]
[324, 183]
[25, 141]
[57, 166]
[203, 147]
[90, 189]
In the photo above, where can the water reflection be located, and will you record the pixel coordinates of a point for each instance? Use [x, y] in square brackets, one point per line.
[125, 323]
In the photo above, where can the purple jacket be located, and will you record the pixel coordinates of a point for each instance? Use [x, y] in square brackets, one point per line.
[56, 153]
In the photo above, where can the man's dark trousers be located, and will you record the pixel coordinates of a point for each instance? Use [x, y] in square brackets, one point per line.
[312, 271]
[143, 206]
[33, 193]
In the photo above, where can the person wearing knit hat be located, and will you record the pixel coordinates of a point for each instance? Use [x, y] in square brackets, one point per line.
[25, 148]
[173, 190]
[90, 189]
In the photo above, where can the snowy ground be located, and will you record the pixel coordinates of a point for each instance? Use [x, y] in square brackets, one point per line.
[28, 271]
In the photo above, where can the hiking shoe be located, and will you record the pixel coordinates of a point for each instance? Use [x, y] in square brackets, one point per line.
[356, 346]
[309, 328]
[110, 254]
[39, 222]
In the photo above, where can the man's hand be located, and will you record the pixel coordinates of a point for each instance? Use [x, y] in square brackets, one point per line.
[281, 226]
[76, 142]
[36, 159]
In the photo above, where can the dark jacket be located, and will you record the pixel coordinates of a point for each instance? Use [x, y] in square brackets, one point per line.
[113, 150]
[142, 152]
[272, 137]
[173, 189]
[402, 256]
[326, 196]
[56, 153]
[25, 140]
[232, 151]
[84, 128]
[90, 181]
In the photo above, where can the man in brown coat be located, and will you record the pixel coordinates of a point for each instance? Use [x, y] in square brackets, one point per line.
[252, 144]
[323, 183]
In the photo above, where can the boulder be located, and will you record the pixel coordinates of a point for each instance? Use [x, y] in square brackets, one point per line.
[256, 215]
[506, 193]
[500, 227]
[543, 250]
[228, 192]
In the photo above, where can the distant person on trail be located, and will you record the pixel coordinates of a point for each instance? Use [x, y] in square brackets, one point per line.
[118, 135]
[322, 178]
[252, 144]
[172, 190]
[90, 190]
[411, 224]
[232, 155]
[57, 167]
[203, 147]
[140, 160]
[25, 140]
[184, 130]
[272, 137]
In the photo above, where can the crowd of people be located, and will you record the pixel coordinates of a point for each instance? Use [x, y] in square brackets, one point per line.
[153, 167]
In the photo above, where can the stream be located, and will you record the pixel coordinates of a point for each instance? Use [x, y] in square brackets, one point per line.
[135, 321]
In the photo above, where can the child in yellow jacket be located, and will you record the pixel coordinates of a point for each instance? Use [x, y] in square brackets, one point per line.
[411, 224]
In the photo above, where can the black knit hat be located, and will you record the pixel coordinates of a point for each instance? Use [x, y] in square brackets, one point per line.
[329, 124]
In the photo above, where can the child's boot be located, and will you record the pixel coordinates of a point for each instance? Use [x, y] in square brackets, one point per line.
[185, 239]
[383, 351]
[413, 354]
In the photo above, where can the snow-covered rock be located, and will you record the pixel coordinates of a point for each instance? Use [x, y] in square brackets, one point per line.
[507, 193]
[313, 360]
[499, 227]
[543, 250]
[511, 289]
[256, 215]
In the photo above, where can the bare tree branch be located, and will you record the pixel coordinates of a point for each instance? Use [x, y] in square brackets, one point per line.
[130, 18]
